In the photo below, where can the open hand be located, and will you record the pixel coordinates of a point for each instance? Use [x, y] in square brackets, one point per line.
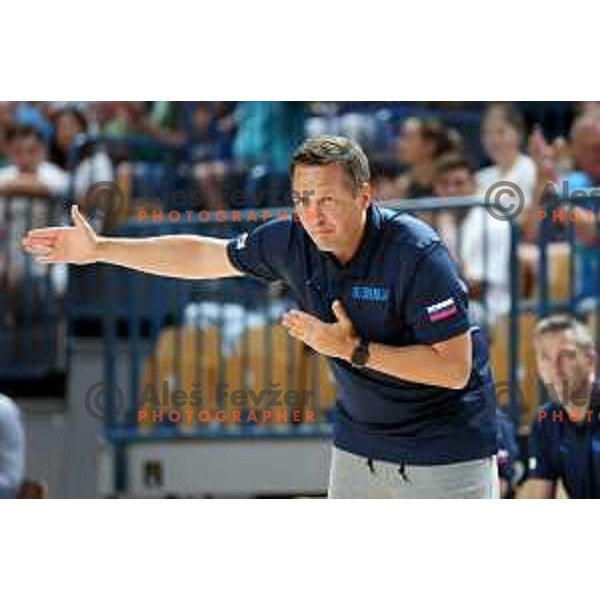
[76, 244]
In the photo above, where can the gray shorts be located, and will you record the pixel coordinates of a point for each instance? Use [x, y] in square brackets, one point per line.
[353, 476]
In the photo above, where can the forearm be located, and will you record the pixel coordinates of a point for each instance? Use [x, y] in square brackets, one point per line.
[420, 364]
[184, 256]
[32, 188]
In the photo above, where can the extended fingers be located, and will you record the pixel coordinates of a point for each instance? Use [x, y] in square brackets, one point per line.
[299, 324]
[293, 324]
[38, 247]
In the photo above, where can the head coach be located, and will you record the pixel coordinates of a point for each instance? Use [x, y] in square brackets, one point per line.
[378, 294]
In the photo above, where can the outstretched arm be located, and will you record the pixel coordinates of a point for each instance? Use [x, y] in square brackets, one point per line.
[184, 256]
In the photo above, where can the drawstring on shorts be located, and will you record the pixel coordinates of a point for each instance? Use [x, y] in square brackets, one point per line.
[402, 472]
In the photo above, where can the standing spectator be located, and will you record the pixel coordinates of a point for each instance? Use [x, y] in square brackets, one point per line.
[421, 143]
[502, 134]
[480, 242]
[90, 167]
[12, 448]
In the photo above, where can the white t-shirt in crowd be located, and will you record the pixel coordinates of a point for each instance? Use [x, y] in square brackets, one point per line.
[478, 226]
[28, 213]
[522, 173]
[53, 177]
[92, 170]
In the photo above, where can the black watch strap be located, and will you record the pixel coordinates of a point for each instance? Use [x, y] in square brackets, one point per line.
[360, 355]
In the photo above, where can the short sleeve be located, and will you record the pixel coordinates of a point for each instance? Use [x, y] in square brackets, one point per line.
[540, 465]
[54, 178]
[436, 304]
[262, 252]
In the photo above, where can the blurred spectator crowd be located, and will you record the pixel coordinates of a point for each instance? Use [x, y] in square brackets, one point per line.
[220, 155]
[235, 155]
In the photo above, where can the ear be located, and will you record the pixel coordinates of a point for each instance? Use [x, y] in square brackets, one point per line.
[592, 359]
[365, 194]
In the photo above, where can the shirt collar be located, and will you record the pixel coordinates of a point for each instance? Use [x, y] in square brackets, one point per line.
[359, 263]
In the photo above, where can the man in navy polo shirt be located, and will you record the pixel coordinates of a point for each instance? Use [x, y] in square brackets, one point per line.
[379, 295]
[564, 444]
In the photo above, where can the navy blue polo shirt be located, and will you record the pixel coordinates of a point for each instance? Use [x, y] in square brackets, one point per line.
[400, 288]
[570, 451]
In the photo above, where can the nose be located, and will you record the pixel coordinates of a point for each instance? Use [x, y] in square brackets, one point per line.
[561, 365]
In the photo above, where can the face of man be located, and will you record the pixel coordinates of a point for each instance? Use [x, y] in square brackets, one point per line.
[26, 153]
[562, 364]
[586, 150]
[455, 183]
[332, 215]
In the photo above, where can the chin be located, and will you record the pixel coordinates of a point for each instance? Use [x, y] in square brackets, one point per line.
[323, 242]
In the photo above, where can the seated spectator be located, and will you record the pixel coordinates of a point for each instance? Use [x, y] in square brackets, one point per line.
[420, 145]
[90, 167]
[205, 154]
[12, 448]
[164, 122]
[574, 167]
[29, 187]
[383, 180]
[267, 133]
[34, 114]
[502, 134]
[118, 119]
[479, 242]
[29, 172]
[6, 120]
[565, 435]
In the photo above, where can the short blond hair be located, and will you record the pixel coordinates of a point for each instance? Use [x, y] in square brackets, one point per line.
[564, 322]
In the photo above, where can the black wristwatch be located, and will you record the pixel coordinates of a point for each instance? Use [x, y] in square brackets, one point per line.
[360, 355]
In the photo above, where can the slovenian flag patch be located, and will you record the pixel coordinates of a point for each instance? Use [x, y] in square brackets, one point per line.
[442, 310]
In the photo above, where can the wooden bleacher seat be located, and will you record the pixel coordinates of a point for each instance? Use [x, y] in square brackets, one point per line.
[273, 360]
[183, 356]
[558, 270]
[319, 379]
[526, 372]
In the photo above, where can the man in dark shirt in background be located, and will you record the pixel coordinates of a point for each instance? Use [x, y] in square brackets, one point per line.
[564, 445]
